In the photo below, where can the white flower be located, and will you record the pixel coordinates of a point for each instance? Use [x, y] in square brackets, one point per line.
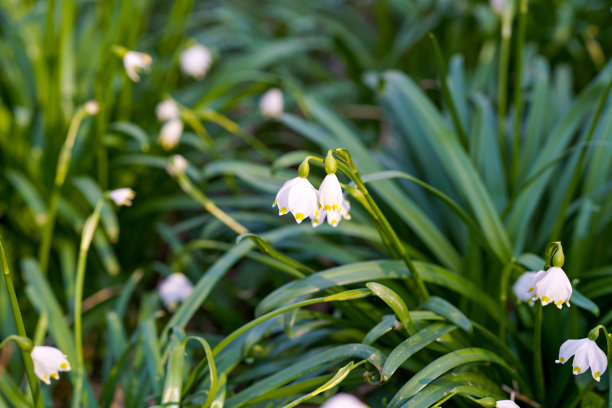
[196, 60]
[123, 196]
[170, 134]
[299, 197]
[178, 165]
[134, 62]
[586, 355]
[167, 110]
[345, 210]
[271, 104]
[522, 285]
[506, 404]
[91, 107]
[48, 361]
[174, 290]
[552, 285]
[343, 400]
[498, 6]
[318, 220]
[330, 194]
[333, 218]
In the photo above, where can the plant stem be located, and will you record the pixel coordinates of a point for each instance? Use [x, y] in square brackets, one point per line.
[208, 205]
[502, 83]
[538, 370]
[503, 299]
[518, 91]
[60, 177]
[27, 359]
[576, 176]
[86, 237]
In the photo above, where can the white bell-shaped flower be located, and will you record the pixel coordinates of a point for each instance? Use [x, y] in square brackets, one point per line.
[343, 400]
[522, 286]
[333, 218]
[174, 290]
[123, 196]
[345, 209]
[506, 404]
[170, 134]
[167, 110]
[178, 165]
[134, 62]
[48, 362]
[552, 285]
[299, 197]
[196, 61]
[330, 194]
[271, 104]
[586, 355]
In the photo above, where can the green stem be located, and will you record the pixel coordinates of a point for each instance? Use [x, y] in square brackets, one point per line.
[538, 370]
[86, 237]
[518, 91]
[27, 359]
[60, 177]
[576, 176]
[396, 244]
[503, 299]
[208, 205]
[502, 83]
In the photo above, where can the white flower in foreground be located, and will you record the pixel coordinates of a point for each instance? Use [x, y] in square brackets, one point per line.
[174, 290]
[522, 285]
[196, 60]
[91, 107]
[330, 194]
[167, 110]
[271, 104]
[343, 400]
[48, 361]
[552, 286]
[506, 404]
[178, 165]
[299, 197]
[586, 355]
[170, 134]
[123, 196]
[134, 62]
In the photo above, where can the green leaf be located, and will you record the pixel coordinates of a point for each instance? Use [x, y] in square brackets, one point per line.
[265, 247]
[171, 396]
[449, 311]
[395, 302]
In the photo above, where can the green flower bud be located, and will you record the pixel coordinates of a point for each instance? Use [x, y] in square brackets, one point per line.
[304, 169]
[331, 165]
[487, 402]
[558, 258]
[594, 334]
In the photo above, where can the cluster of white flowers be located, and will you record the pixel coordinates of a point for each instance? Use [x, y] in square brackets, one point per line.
[298, 197]
[168, 112]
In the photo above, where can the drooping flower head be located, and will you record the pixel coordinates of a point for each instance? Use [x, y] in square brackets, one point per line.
[123, 196]
[174, 290]
[298, 197]
[196, 61]
[170, 134]
[48, 362]
[271, 104]
[343, 400]
[178, 164]
[134, 62]
[553, 286]
[167, 110]
[522, 285]
[586, 355]
[506, 404]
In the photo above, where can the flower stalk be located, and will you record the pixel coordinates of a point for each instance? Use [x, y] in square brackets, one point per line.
[538, 369]
[27, 360]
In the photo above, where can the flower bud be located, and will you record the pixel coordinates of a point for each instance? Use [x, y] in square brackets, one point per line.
[487, 402]
[91, 107]
[558, 258]
[331, 165]
[304, 169]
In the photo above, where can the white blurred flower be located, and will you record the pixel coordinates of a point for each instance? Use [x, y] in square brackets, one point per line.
[552, 285]
[498, 6]
[345, 210]
[196, 60]
[134, 62]
[271, 104]
[343, 400]
[522, 286]
[91, 107]
[167, 110]
[170, 134]
[506, 404]
[178, 165]
[123, 196]
[48, 361]
[586, 355]
[174, 290]
[299, 197]
[333, 218]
